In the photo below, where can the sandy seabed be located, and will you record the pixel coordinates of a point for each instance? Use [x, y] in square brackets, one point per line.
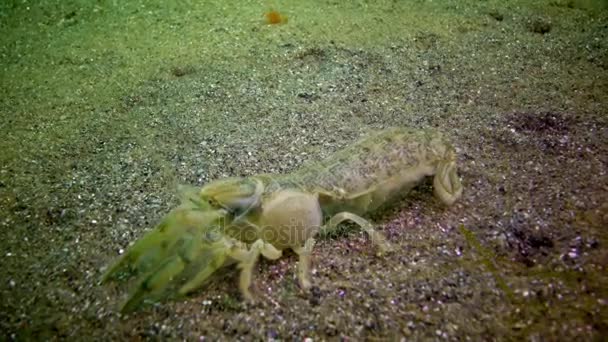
[106, 107]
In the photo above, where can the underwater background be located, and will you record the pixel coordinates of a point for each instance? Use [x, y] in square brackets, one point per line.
[106, 106]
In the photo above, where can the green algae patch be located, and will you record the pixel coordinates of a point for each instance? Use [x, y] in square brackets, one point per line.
[486, 257]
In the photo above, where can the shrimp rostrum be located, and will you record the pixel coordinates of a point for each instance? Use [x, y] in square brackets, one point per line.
[237, 220]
